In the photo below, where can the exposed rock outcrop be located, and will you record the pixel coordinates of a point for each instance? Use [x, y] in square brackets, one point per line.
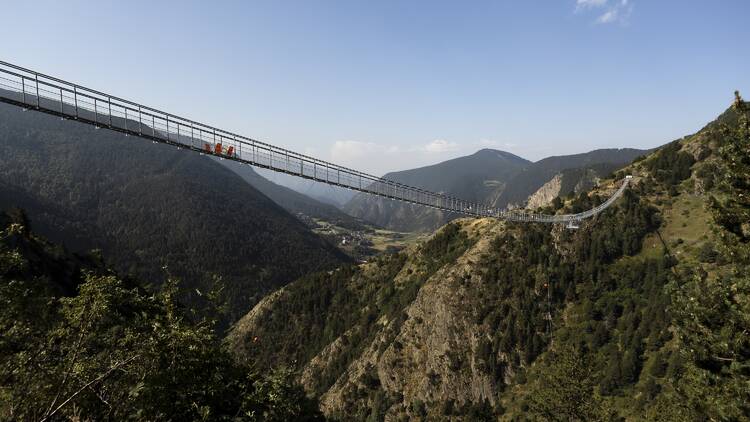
[546, 193]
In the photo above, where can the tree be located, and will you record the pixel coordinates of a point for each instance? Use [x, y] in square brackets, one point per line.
[566, 393]
[112, 351]
[712, 314]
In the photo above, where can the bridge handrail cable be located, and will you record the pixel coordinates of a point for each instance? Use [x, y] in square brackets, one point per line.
[52, 95]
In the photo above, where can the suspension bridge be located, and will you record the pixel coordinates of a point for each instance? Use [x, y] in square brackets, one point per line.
[32, 90]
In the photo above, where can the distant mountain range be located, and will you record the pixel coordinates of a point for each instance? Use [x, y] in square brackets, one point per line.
[155, 210]
[476, 177]
[494, 177]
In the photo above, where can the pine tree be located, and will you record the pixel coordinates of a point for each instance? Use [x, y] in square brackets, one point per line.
[566, 393]
[713, 316]
[110, 351]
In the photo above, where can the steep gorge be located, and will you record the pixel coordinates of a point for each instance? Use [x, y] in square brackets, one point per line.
[470, 324]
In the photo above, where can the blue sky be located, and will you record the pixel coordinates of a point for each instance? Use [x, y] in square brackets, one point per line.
[389, 85]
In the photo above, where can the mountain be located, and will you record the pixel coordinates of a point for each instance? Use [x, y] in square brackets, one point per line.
[599, 163]
[152, 209]
[493, 177]
[476, 177]
[294, 202]
[641, 314]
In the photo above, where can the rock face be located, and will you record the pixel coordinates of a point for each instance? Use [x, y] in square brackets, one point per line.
[571, 181]
[602, 161]
[430, 349]
[442, 328]
[438, 336]
[546, 193]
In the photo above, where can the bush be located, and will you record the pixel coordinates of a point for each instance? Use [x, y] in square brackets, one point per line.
[670, 165]
[104, 349]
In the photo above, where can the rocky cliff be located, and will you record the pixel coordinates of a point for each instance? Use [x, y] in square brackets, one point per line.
[546, 193]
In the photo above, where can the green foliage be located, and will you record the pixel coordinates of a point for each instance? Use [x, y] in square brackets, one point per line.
[277, 397]
[713, 313]
[444, 247]
[623, 234]
[670, 165]
[345, 306]
[621, 299]
[582, 324]
[110, 351]
[557, 203]
[566, 393]
[528, 281]
[150, 206]
[732, 210]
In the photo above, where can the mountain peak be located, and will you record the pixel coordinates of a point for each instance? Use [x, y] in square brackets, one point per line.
[489, 152]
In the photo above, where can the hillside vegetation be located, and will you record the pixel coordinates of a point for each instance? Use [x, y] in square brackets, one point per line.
[80, 343]
[640, 314]
[152, 210]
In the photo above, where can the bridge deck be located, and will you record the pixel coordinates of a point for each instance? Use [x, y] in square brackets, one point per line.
[32, 90]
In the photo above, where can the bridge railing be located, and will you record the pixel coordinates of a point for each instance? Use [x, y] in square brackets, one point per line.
[30, 89]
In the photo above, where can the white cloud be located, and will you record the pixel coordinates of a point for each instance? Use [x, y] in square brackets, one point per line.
[354, 151]
[608, 16]
[586, 4]
[366, 156]
[616, 11]
[439, 146]
[346, 151]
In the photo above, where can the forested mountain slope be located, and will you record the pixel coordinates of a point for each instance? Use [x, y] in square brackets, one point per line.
[80, 343]
[493, 177]
[476, 177]
[640, 314]
[600, 162]
[152, 209]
